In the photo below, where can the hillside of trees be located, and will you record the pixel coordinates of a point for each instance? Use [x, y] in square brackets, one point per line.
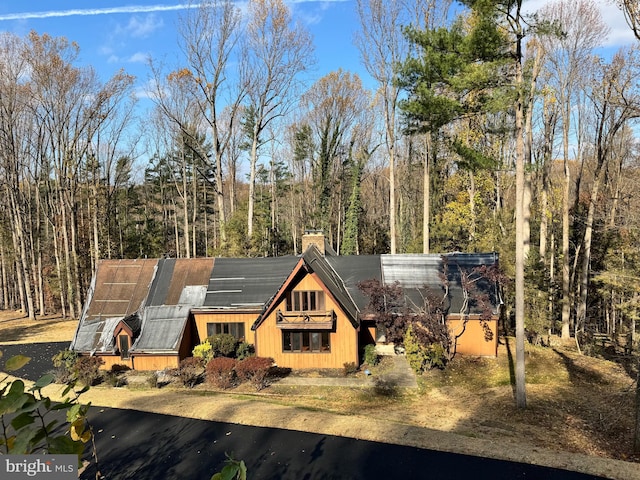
[475, 120]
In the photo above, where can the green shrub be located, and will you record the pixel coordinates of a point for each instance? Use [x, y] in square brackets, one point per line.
[64, 362]
[203, 351]
[349, 368]
[254, 370]
[220, 372]
[245, 350]
[87, 370]
[223, 344]
[190, 371]
[370, 355]
[423, 357]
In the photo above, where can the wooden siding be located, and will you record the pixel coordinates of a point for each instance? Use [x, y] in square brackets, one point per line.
[155, 362]
[343, 339]
[226, 316]
[110, 360]
[473, 340]
[141, 362]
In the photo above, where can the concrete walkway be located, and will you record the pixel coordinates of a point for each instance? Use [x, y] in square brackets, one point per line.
[400, 375]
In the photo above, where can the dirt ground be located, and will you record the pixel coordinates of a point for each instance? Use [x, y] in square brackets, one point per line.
[579, 416]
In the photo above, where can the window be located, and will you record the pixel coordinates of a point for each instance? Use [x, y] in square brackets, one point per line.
[305, 301]
[123, 341]
[236, 329]
[305, 341]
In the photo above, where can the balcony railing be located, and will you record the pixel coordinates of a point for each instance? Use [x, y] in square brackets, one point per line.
[310, 320]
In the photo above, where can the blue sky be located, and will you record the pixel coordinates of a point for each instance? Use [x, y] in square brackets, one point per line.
[115, 34]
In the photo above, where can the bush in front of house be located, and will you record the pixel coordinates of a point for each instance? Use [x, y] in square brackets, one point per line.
[220, 372]
[189, 371]
[223, 344]
[255, 370]
[245, 350]
[423, 357]
[204, 351]
[370, 355]
[64, 361]
[87, 370]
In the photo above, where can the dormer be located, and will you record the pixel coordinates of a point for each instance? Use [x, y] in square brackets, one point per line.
[125, 333]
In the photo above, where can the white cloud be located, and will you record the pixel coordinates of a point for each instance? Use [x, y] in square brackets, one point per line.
[142, 27]
[619, 35]
[138, 57]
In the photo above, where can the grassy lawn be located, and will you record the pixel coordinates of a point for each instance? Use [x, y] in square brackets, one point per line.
[575, 403]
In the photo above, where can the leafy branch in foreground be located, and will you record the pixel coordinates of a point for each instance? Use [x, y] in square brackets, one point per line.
[233, 470]
[30, 421]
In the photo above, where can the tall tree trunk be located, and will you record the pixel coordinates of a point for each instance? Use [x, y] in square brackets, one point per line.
[5, 285]
[194, 212]
[566, 260]
[67, 256]
[392, 186]
[581, 310]
[220, 198]
[521, 395]
[472, 207]
[95, 223]
[252, 185]
[636, 434]
[77, 279]
[426, 201]
[59, 272]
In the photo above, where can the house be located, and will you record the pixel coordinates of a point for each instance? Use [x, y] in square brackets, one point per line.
[303, 311]
[138, 312]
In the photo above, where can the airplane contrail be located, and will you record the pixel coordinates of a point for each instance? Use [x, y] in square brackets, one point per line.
[114, 10]
[97, 11]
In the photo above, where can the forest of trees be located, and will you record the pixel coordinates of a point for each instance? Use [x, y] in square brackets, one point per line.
[475, 120]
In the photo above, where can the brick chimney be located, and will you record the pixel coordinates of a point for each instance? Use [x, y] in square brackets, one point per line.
[316, 237]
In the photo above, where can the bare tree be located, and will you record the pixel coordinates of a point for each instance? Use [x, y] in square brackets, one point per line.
[16, 133]
[333, 106]
[209, 38]
[567, 55]
[277, 52]
[615, 95]
[382, 47]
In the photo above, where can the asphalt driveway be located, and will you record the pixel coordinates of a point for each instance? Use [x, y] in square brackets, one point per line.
[139, 445]
[40, 354]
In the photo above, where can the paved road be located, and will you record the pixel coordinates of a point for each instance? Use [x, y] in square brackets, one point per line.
[138, 445]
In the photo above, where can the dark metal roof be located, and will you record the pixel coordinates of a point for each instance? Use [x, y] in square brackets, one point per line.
[119, 289]
[320, 266]
[354, 269]
[144, 294]
[162, 328]
[96, 336]
[247, 282]
[173, 275]
[414, 272]
[154, 297]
